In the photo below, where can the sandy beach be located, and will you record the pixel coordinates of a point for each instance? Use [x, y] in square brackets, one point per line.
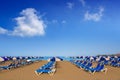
[65, 71]
[59, 39]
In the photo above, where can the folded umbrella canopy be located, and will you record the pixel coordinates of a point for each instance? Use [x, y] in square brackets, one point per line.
[1, 59]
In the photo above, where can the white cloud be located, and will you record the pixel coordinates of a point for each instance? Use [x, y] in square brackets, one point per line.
[94, 16]
[82, 2]
[3, 31]
[29, 24]
[70, 5]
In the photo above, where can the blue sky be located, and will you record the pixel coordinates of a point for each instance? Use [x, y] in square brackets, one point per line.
[59, 27]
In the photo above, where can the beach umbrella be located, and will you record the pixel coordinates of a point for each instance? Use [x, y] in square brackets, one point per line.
[102, 59]
[86, 57]
[97, 58]
[94, 58]
[17, 57]
[77, 57]
[5, 58]
[10, 58]
[91, 58]
[116, 56]
[55, 59]
[28, 57]
[14, 58]
[1, 59]
[81, 57]
[52, 59]
[58, 59]
[107, 58]
[28, 60]
[21, 57]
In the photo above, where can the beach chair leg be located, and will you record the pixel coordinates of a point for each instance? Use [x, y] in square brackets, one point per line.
[36, 73]
[105, 70]
[40, 73]
[92, 72]
[51, 73]
[8, 68]
[80, 67]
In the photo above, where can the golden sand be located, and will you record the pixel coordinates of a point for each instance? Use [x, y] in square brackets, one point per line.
[65, 71]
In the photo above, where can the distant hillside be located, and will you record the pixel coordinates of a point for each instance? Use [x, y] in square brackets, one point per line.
[118, 54]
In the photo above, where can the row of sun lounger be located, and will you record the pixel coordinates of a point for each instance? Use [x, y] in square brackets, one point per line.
[15, 65]
[48, 68]
[87, 66]
[115, 62]
[106, 60]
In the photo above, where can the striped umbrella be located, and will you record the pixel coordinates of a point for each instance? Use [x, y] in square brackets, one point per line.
[1, 59]
[14, 58]
[5, 58]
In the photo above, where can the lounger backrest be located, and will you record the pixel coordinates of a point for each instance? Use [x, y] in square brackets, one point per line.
[89, 64]
[48, 65]
[10, 64]
[85, 62]
[98, 66]
[102, 67]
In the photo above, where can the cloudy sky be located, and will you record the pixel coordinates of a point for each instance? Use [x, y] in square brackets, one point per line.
[59, 27]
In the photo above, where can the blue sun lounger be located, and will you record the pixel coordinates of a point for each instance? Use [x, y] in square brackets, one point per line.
[49, 71]
[118, 65]
[49, 65]
[7, 67]
[47, 68]
[89, 65]
[98, 68]
[115, 64]
[83, 65]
